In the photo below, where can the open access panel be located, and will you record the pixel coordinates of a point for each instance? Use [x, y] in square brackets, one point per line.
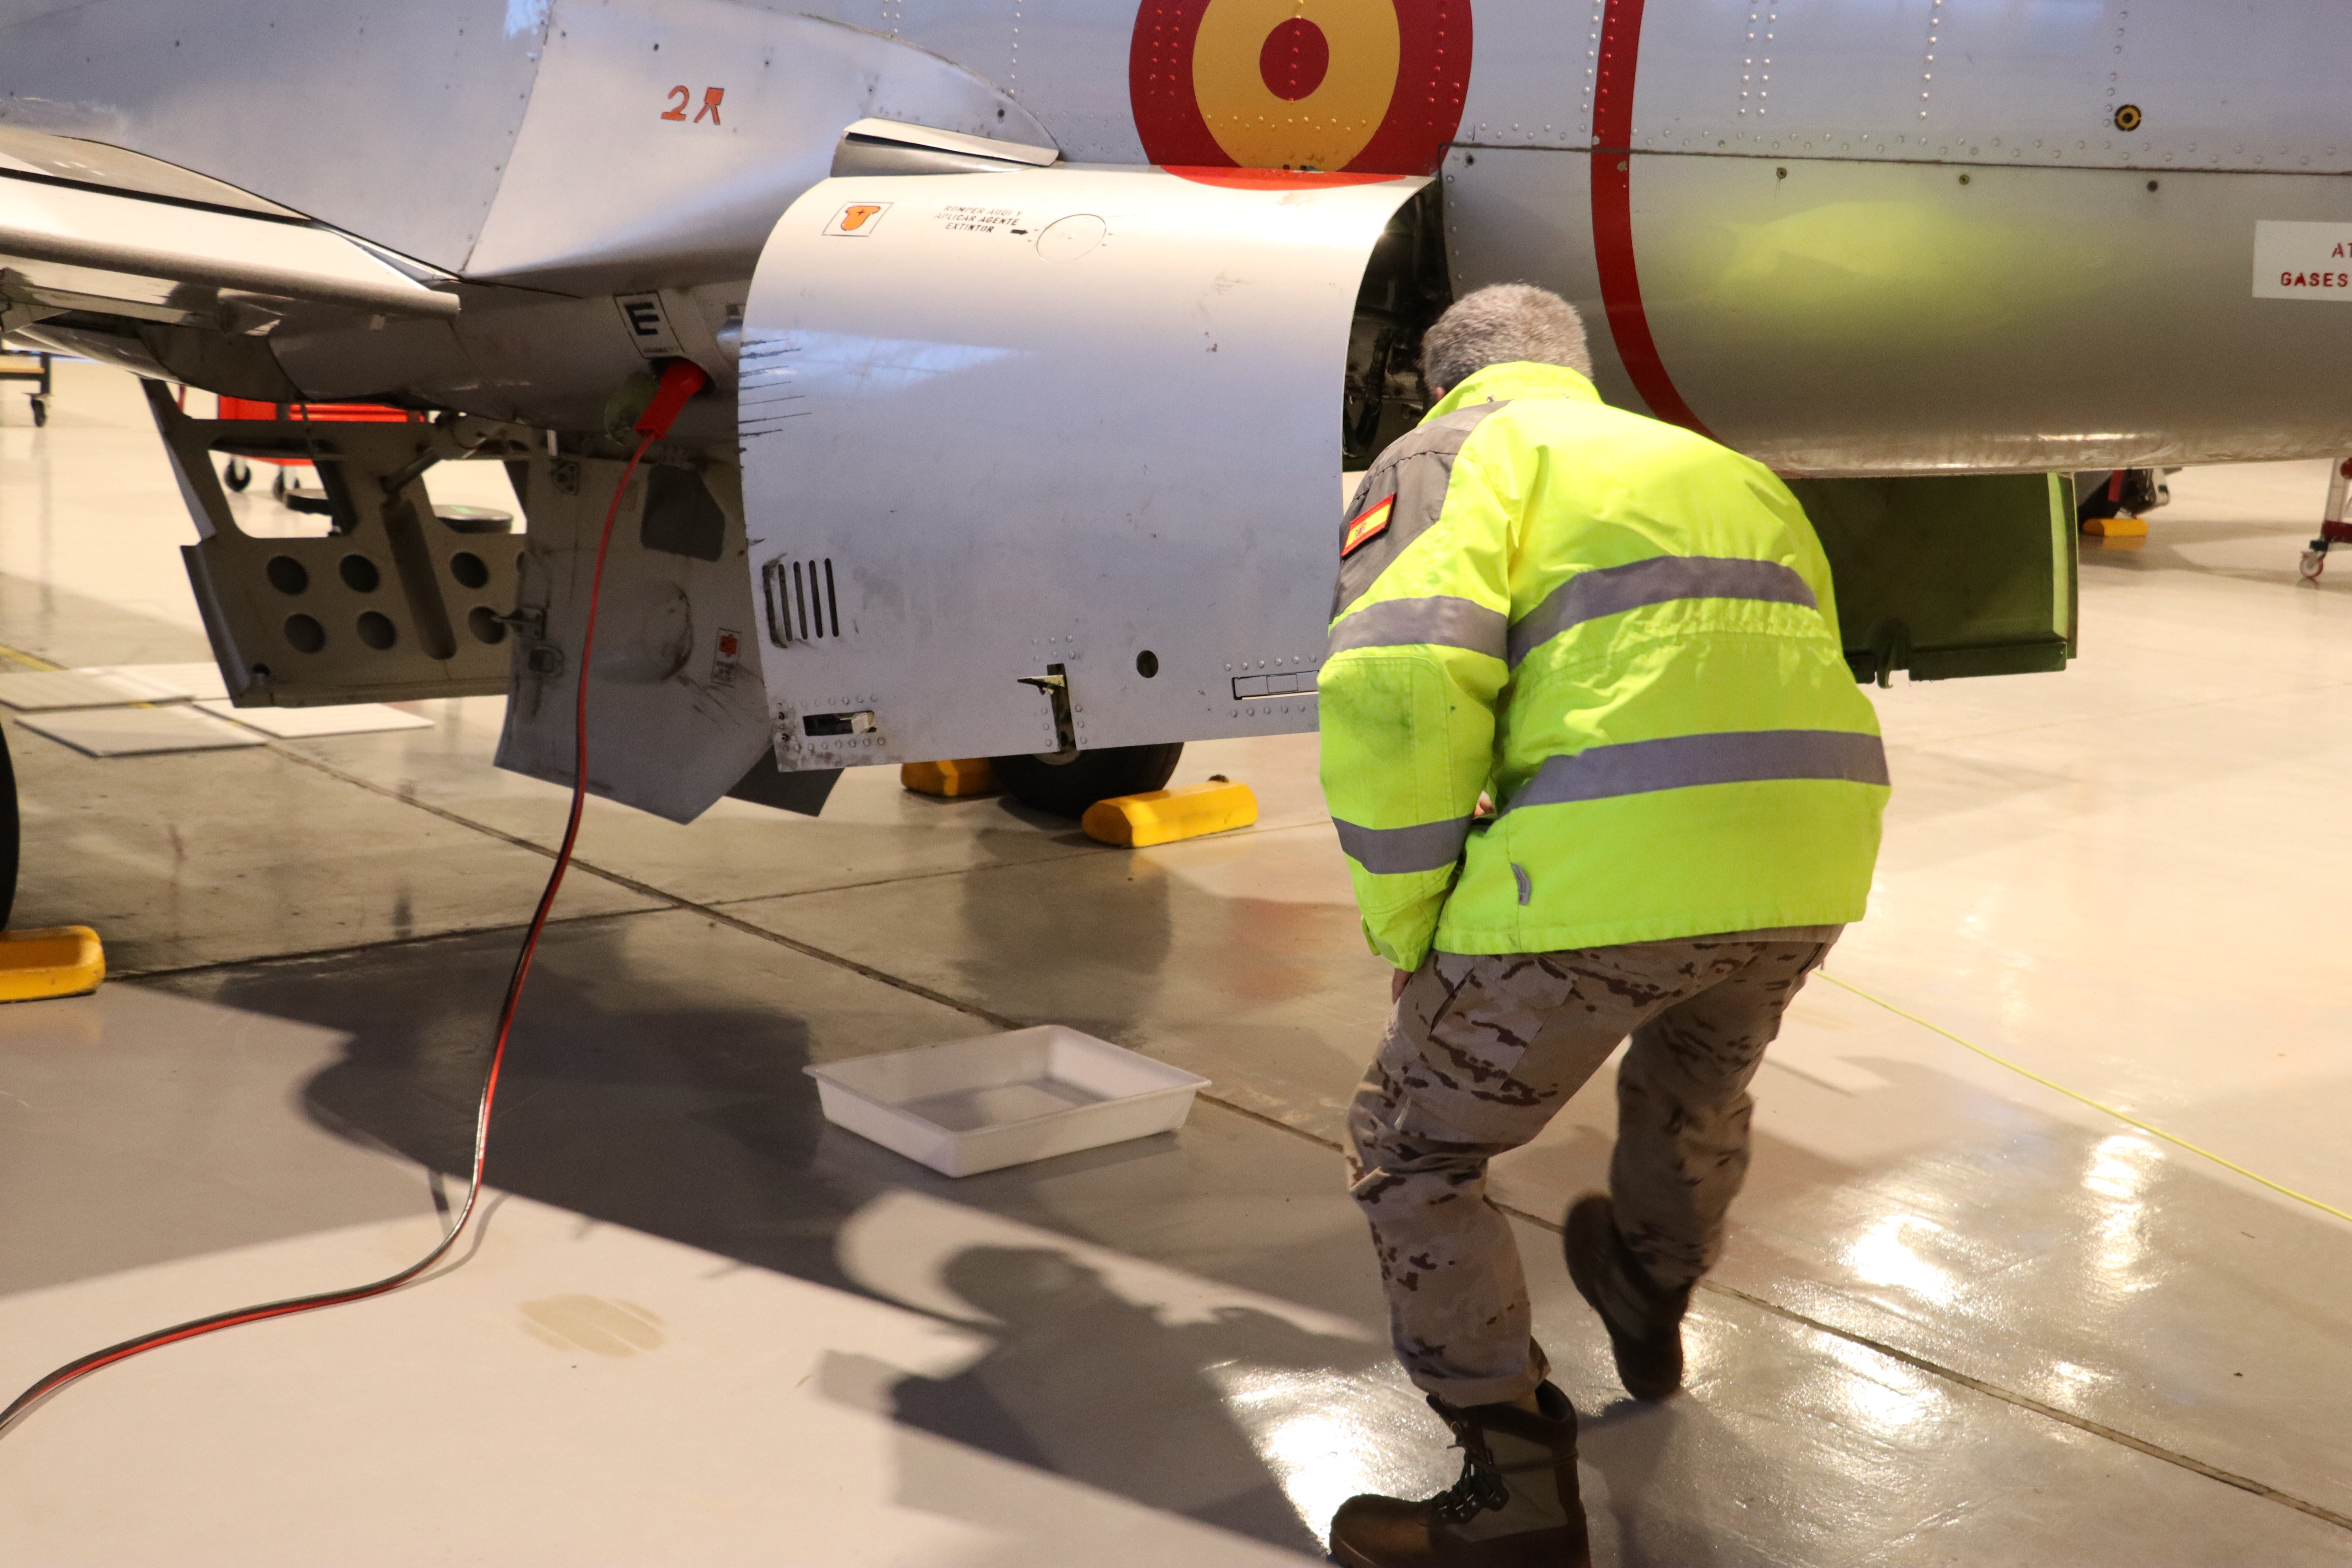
[1050, 458]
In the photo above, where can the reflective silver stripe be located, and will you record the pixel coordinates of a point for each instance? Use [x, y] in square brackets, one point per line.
[1588, 595]
[1743, 756]
[1394, 851]
[1439, 621]
[1417, 470]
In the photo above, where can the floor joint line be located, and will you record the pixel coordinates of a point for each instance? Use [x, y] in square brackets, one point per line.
[348, 950]
[712, 907]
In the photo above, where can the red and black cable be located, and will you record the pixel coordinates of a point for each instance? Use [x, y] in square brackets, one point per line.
[681, 381]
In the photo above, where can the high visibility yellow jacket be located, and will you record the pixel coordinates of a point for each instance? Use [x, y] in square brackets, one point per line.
[1626, 634]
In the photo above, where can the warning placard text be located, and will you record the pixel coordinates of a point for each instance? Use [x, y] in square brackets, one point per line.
[2303, 261]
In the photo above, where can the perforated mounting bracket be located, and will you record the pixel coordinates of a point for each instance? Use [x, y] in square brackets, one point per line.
[392, 604]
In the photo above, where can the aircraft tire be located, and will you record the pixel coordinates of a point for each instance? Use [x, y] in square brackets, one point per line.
[9, 833]
[1067, 789]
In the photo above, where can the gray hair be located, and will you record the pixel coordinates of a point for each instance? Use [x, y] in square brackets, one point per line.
[1503, 323]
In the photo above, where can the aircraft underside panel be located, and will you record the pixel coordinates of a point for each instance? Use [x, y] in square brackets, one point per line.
[1048, 458]
[675, 718]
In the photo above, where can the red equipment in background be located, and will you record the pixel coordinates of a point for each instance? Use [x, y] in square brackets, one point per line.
[2333, 527]
[240, 471]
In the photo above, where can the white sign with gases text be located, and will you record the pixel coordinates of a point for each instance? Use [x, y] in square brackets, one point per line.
[2303, 261]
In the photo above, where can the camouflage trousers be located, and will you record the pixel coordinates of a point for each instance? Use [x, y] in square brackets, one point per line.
[1482, 1050]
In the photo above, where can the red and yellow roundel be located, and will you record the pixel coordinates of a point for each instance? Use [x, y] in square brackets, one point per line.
[1366, 86]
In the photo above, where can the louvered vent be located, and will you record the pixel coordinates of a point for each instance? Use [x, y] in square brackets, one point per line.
[800, 603]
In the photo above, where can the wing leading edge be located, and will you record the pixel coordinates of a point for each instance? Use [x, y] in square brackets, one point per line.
[83, 233]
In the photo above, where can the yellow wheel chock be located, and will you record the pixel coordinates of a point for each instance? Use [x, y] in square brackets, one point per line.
[950, 780]
[60, 960]
[1165, 816]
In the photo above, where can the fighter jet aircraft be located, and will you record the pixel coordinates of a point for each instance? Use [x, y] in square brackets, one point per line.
[1041, 331]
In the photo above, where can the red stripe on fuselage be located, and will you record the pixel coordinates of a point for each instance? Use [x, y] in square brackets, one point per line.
[1612, 214]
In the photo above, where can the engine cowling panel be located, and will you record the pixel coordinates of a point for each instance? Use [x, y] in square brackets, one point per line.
[1049, 456]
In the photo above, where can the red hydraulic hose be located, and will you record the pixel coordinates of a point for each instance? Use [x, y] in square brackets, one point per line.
[679, 382]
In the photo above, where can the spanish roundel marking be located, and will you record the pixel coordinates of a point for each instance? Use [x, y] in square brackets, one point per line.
[1363, 86]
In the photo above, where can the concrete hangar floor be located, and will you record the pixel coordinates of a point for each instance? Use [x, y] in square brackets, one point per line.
[1964, 1318]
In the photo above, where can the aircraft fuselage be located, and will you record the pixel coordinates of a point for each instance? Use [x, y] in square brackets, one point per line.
[1847, 238]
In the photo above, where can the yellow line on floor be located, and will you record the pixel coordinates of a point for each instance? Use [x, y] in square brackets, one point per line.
[35, 661]
[2096, 1105]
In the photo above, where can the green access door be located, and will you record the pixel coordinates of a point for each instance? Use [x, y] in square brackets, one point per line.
[1949, 576]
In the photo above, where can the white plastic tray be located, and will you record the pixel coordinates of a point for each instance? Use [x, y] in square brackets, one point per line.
[1004, 1099]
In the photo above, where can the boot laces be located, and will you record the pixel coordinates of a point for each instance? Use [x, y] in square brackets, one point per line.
[1481, 1486]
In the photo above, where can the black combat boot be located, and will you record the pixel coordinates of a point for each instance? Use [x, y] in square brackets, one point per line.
[1644, 1322]
[1516, 1505]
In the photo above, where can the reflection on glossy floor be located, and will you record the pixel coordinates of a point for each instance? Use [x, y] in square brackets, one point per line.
[1965, 1317]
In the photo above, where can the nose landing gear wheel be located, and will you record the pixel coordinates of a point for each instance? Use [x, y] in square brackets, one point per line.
[1067, 788]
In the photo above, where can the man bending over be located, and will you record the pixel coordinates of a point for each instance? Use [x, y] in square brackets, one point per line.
[1623, 634]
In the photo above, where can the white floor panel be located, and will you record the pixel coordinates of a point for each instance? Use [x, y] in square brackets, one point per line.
[333, 719]
[140, 732]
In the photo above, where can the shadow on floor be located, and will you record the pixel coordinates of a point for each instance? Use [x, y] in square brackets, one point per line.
[1087, 1384]
[680, 1110]
[1646, 1491]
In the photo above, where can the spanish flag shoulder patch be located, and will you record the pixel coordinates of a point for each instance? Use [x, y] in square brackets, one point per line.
[1369, 526]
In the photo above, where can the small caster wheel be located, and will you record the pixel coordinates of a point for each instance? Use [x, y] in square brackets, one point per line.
[2315, 561]
[239, 474]
[40, 411]
[277, 486]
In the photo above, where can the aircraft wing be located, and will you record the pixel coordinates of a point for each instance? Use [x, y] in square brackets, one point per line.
[86, 228]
